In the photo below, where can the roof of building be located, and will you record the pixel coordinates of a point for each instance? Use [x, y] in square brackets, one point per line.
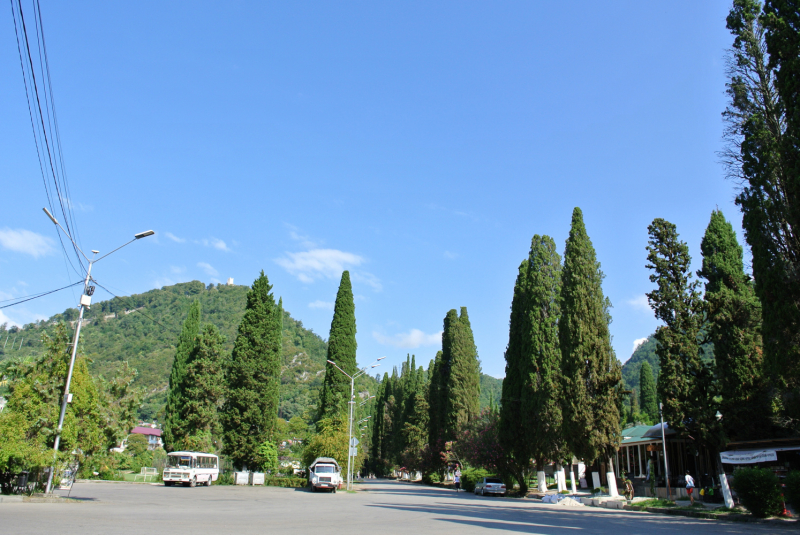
[138, 430]
[634, 434]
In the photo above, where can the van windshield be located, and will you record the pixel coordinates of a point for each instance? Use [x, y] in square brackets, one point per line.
[182, 461]
[324, 469]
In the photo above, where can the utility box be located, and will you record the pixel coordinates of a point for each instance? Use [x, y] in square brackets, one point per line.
[256, 478]
[241, 478]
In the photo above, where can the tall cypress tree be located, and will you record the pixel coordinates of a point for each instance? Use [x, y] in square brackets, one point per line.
[335, 393]
[685, 384]
[530, 415]
[647, 392]
[253, 378]
[187, 342]
[203, 393]
[733, 315]
[438, 373]
[463, 387]
[590, 369]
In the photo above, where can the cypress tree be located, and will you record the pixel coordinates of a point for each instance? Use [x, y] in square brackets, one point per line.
[462, 402]
[335, 393]
[733, 315]
[530, 415]
[685, 383]
[203, 393]
[647, 392]
[436, 401]
[187, 342]
[590, 369]
[253, 378]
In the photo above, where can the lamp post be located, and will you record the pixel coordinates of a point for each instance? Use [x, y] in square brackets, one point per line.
[664, 444]
[86, 301]
[352, 403]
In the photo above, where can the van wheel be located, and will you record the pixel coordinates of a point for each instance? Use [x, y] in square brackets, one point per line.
[334, 490]
[193, 482]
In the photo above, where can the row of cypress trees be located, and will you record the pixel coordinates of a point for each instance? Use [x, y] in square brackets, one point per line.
[234, 400]
[560, 391]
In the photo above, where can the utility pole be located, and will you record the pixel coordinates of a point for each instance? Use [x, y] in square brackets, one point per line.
[85, 302]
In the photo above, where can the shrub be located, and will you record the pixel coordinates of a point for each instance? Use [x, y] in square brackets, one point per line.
[225, 478]
[289, 482]
[470, 476]
[792, 490]
[758, 490]
[430, 479]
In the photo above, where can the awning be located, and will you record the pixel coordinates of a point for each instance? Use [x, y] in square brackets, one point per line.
[748, 456]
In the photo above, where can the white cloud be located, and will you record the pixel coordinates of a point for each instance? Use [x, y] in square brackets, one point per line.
[638, 342]
[295, 234]
[174, 238]
[7, 320]
[308, 266]
[25, 241]
[208, 269]
[410, 340]
[79, 206]
[639, 302]
[369, 279]
[216, 243]
[325, 305]
[177, 270]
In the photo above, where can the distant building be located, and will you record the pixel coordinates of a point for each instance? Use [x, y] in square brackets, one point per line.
[230, 282]
[2, 403]
[153, 436]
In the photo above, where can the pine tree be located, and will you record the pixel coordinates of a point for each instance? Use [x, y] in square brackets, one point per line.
[335, 393]
[590, 369]
[250, 411]
[187, 342]
[203, 393]
[530, 415]
[647, 392]
[734, 326]
[462, 402]
[685, 383]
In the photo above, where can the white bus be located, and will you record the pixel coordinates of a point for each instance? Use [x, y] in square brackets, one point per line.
[190, 468]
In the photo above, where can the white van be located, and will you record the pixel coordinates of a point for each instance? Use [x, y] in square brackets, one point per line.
[190, 468]
[324, 473]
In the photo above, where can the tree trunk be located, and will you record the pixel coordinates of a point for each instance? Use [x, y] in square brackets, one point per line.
[612, 479]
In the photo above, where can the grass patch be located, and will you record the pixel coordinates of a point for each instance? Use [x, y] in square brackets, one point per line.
[644, 504]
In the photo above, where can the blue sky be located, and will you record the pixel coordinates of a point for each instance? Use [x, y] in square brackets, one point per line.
[419, 144]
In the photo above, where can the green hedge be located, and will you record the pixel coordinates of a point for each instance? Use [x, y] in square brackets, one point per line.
[291, 482]
[759, 491]
[470, 476]
[792, 490]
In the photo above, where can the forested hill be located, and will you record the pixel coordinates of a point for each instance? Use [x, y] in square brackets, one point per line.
[143, 330]
[647, 352]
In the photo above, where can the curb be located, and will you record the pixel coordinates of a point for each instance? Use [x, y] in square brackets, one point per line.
[118, 482]
[11, 499]
[710, 516]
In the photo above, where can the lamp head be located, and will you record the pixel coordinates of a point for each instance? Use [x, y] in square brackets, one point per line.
[53, 219]
[144, 234]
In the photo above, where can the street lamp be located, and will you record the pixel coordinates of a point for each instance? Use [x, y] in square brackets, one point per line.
[664, 446]
[352, 403]
[86, 301]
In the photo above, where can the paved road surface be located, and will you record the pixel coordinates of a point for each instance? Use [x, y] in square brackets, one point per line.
[382, 507]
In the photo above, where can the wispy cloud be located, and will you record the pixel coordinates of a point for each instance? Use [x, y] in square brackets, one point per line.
[410, 340]
[8, 321]
[369, 279]
[174, 238]
[325, 305]
[208, 268]
[297, 236]
[451, 256]
[638, 342]
[79, 206]
[640, 303]
[177, 270]
[309, 266]
[25, 241]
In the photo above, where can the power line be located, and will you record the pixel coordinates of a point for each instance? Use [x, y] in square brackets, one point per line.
[136, 309]
[36, 296]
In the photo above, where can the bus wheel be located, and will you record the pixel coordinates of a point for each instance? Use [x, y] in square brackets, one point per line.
[208, 483]
[193, 482]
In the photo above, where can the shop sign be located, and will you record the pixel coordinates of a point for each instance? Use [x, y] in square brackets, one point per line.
[748, 457]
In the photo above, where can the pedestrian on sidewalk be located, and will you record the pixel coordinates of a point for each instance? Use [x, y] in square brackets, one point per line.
[690, 486]
[457, 478]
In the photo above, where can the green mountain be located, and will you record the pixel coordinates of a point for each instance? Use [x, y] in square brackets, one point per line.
[647, 352]
[143, 330]
[491, 389]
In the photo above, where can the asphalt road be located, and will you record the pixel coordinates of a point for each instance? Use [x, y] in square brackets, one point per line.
[380, 507]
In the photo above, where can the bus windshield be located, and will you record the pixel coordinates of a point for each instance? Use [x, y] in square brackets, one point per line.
[182, 461]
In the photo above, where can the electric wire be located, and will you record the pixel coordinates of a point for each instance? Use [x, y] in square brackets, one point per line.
[27, 298]
[136, 309]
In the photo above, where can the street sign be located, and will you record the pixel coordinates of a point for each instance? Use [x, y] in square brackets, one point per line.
[353, 451]
[353, 441]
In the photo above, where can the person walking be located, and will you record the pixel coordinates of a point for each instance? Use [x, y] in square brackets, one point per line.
[457, 478]
[690, 486]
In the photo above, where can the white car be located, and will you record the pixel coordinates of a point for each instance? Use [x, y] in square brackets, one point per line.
[490, 485]
[324, 473]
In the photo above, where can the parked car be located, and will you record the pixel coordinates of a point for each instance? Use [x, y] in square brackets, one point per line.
[324, 473]
[490, 485]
